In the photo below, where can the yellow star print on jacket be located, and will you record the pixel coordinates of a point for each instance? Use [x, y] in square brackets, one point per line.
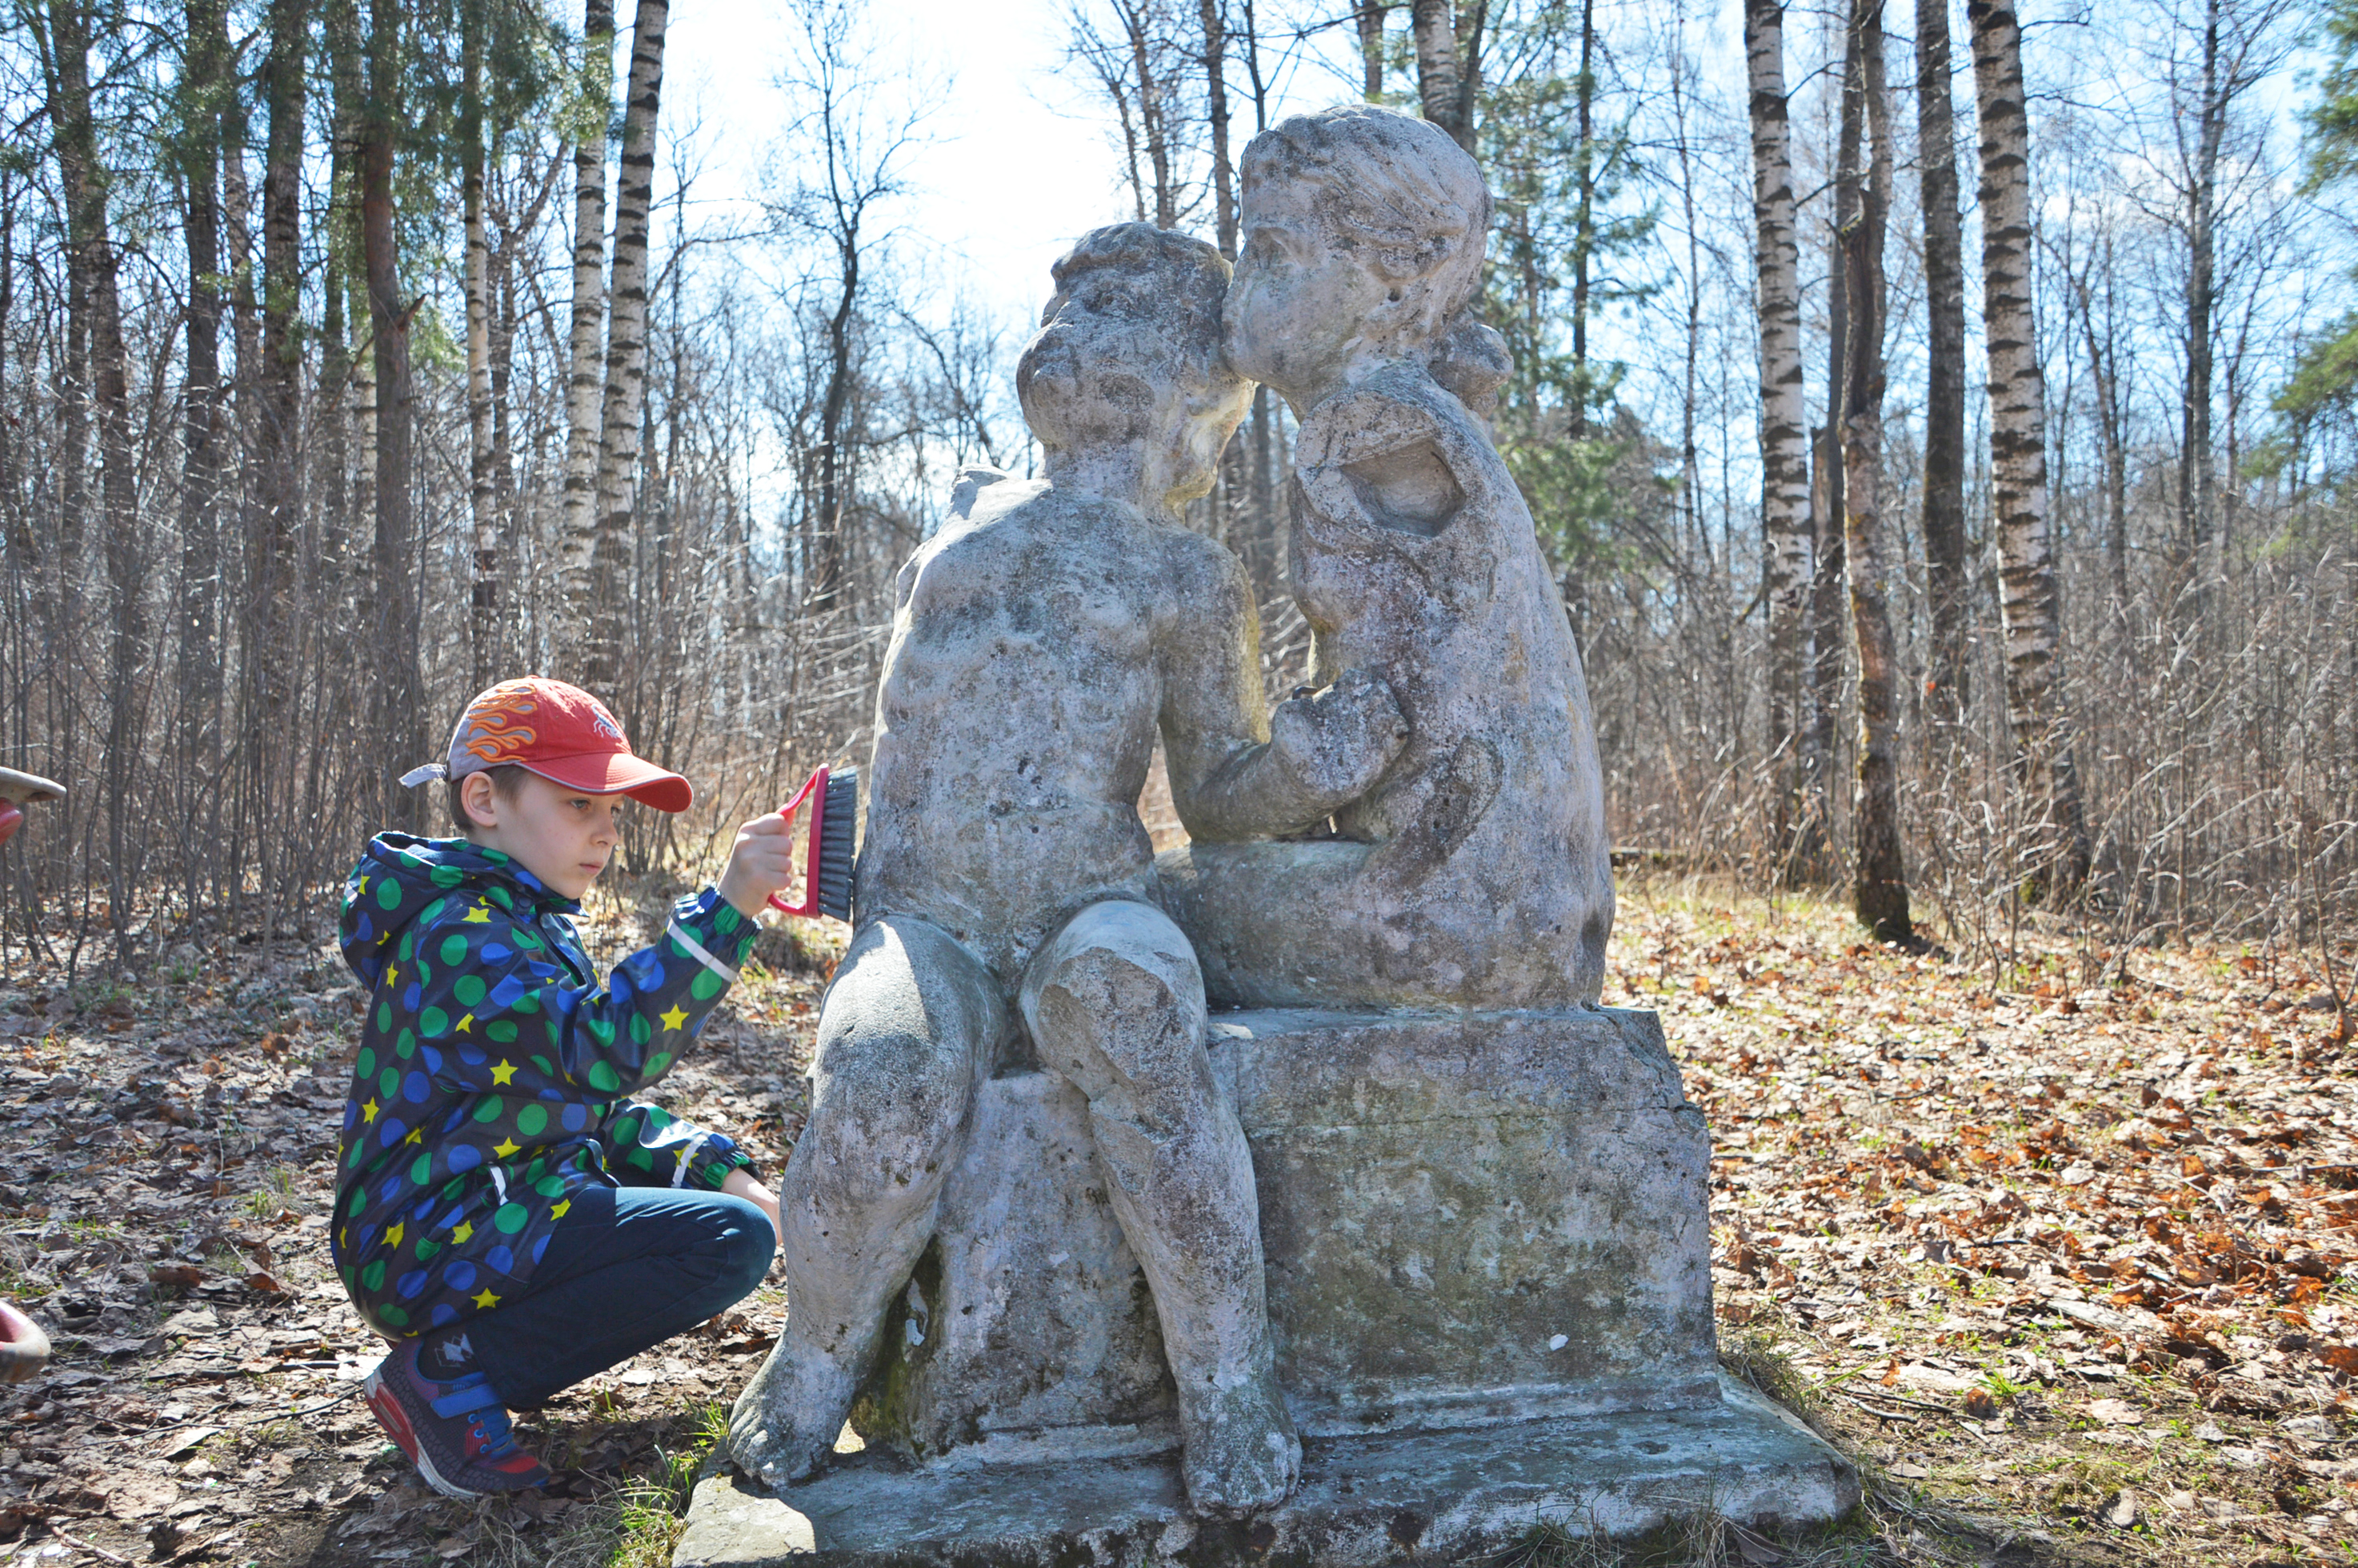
[494, 1073]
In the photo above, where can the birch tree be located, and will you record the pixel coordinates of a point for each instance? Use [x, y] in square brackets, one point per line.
[2017, 395]
[1784, 414]
[626, 346]
[483, 489]
[585, 376]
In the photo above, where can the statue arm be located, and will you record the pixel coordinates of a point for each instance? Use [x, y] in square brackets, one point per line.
[1237, 769]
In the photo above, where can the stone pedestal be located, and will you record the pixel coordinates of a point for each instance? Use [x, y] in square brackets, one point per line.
[1365, 1502]
[1468, 1219]
[1488, 1267]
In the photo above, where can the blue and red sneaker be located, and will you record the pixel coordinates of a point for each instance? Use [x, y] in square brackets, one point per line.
[456, 1432]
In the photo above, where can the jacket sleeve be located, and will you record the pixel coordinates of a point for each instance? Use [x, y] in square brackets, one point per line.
[497, 1012]
[646, 1146]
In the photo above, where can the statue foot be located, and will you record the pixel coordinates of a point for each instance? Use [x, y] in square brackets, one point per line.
[787, 1418]
[1242, 1456]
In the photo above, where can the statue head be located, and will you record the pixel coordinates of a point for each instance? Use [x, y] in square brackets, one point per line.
[1127, 371]
[1363, 236]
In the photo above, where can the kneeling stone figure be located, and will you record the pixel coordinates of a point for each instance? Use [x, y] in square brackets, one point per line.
[1041, 641]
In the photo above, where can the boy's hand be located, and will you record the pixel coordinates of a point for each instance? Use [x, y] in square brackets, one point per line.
[737, 1183]
[762, 863]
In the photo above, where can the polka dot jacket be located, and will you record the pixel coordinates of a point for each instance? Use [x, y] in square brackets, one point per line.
[493, 1077]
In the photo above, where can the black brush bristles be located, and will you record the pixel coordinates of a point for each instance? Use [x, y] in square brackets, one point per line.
[838, 844]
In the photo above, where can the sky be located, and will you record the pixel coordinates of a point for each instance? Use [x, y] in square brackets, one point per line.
[1019, 165]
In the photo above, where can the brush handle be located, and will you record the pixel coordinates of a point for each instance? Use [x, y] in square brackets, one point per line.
[815, 791]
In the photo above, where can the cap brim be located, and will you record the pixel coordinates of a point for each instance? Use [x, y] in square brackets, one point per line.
[610, 773]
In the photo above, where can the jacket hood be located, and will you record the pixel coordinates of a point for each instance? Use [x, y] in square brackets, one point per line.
[403, 879]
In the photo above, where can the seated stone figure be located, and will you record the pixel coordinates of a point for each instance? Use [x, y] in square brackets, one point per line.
[1476, 872]
[1007, 888]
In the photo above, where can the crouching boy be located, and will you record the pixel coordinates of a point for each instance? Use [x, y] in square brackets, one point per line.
[504, 1212]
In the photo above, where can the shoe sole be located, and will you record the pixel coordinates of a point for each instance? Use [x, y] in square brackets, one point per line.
[396, 1422]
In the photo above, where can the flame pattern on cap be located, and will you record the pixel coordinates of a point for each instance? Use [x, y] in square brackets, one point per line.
[494, 726]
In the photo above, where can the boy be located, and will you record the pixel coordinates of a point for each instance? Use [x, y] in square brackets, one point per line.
[503, 1213]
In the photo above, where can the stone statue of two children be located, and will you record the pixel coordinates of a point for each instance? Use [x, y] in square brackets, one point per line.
[1010, 901]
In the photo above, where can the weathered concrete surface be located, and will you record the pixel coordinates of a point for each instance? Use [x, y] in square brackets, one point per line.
[1466, 1219]
[1042, 639]
[1476, 872]
[1364, 1500]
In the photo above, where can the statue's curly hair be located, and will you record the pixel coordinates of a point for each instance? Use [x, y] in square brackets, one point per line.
[1415, 200]
[1129, 295]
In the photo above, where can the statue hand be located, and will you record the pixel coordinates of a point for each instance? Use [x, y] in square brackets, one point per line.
[1337, 742]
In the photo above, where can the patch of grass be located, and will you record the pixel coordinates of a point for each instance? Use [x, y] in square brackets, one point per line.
[653, 1509]
[1759, 1359]
[1561, 1543]
[274, 1197]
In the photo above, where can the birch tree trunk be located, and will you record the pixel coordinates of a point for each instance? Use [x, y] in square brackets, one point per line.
[1948, 587]
[626, 349]
[1878, 870]
[482, 493]
[399, 687]
[1449, 64]
[1370, 15]
[585, 376]
[2018, 393]
[1784, 414]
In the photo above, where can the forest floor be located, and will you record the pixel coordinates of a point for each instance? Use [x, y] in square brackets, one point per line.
[2059, 1249]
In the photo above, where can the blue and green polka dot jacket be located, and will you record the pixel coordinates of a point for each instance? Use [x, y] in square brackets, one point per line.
[493, 1074]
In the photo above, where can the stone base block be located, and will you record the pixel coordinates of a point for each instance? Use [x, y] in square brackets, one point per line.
[1447, 1495]
[1468, 1218]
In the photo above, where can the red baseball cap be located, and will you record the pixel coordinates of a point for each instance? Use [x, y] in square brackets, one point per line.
[560, 732]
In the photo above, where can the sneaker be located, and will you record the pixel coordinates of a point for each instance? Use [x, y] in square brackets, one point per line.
[456, 1432]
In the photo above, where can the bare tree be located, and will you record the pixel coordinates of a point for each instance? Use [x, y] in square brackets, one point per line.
[92, 258]
[1879, 869]
[482, 487]
[858, 166]
[1449, 61]
[626, 348]
[399, 687]
[2018, 391]
[585, 380]
[1948, 590]
[1784, 414]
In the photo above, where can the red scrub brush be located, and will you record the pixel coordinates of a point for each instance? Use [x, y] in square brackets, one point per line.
[826, 865]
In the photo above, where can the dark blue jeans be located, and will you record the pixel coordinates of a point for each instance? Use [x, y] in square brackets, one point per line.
[626, 1268]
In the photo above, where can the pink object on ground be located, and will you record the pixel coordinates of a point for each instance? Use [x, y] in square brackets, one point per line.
[23, 1349]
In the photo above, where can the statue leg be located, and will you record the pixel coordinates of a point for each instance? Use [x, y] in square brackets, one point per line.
[1116, 1004]
[904, 1035]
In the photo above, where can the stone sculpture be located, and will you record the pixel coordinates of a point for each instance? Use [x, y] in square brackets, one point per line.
[1413, 1195]
[1041, 639]
[1476, 872]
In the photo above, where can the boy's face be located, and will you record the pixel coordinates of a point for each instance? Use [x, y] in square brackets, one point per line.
[564, 836]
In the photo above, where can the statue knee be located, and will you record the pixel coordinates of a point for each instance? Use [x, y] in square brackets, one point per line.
[888, 1126]
[1116, 1004]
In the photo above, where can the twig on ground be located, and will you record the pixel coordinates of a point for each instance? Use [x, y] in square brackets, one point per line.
[78, 1544]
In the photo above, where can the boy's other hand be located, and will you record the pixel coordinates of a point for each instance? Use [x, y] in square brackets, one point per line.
[762, 863]
[738, 1183]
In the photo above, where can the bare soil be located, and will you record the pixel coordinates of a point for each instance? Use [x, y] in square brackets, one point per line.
[2060, 1247]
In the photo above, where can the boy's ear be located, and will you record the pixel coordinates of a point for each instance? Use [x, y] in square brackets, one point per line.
[479, 800]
